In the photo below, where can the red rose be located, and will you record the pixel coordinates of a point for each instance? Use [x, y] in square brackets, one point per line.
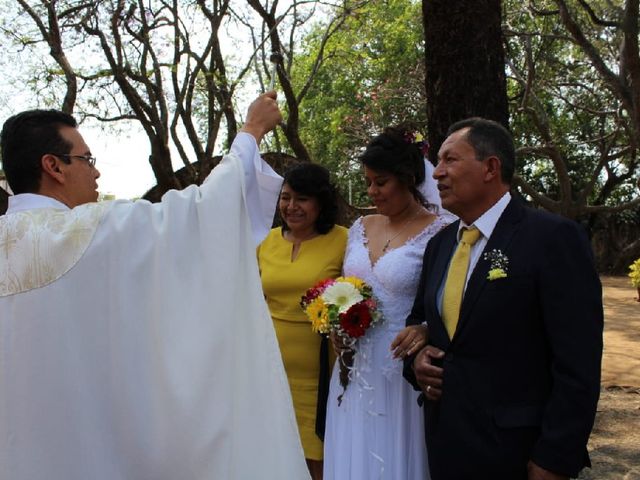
[371, 304]
[356, 320]
[315, 291]
[323, 284]
[309, 296]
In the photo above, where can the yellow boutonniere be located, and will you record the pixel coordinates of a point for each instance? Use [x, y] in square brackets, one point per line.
[496, 273]
[498, 264]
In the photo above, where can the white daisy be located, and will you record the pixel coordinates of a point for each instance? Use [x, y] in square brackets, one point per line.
[343, 295]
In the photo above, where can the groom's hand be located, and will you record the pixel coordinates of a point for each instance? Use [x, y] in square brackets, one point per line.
[428, 376]
[263, 116]
[536, 472]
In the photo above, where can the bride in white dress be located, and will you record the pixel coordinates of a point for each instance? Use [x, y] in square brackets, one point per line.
[377, 430]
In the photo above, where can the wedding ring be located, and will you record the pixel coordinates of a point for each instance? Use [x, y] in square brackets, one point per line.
[428, 388]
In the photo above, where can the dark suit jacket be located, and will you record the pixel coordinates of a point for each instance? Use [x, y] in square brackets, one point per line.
[522, 372]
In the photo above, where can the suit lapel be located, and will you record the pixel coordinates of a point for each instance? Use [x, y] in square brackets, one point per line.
[499, 240]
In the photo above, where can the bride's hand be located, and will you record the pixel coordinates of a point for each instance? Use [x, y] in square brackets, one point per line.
[409, 341]
[338, 343]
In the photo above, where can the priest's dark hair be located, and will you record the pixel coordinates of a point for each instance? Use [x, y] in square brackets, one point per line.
[315, 181]
[395, 151]
[26, 137]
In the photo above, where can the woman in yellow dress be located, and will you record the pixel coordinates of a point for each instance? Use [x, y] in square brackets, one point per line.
[309, 247]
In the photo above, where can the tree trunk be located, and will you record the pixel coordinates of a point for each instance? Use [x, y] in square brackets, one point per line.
[464, 60]
[160, 160]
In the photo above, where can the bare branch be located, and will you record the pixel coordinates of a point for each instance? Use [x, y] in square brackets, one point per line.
[540, 119]
[114, 119]
[610, 78]
[612, 209]
[333, 27]
[594, 18]
[51, 34]
[540, 199]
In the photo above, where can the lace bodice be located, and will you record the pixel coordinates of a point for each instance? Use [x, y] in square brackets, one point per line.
[394, 277]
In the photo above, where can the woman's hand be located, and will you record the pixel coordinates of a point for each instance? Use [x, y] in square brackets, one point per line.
[409, 341]
[339, 343]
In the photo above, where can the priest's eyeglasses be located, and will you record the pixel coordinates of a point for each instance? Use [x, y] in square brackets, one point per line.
[90, 159]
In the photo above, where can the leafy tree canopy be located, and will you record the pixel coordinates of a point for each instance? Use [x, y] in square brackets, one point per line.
[578, 144]
[373, 76]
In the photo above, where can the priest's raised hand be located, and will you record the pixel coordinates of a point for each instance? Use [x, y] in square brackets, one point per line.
[263, 116]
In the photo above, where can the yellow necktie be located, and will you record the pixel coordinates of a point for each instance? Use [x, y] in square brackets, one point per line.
[456, 278]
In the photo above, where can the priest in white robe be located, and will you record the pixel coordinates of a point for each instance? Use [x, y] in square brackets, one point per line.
[134, 339]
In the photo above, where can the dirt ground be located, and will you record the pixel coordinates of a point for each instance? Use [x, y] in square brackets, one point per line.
[615, 441]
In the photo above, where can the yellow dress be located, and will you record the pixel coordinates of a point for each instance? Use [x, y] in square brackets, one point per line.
[284, 282]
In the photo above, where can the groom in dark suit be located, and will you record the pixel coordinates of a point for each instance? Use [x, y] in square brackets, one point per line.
[511, 374]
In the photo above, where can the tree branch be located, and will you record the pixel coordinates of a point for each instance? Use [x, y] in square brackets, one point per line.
[594, 18]
[542, 200]
[611, 79]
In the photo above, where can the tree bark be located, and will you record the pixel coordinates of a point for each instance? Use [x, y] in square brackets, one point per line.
[464, 60]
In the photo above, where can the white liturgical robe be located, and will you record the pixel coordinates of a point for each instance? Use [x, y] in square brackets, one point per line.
[135, 343]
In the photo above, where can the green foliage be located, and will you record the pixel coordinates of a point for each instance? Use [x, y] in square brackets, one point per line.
[373, 76]
[577, 144]
[562, 105]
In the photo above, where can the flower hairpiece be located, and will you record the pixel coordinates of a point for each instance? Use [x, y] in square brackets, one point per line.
[416, 138]
[498, 264]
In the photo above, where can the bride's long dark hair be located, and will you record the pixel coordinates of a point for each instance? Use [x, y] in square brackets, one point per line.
[397, 152]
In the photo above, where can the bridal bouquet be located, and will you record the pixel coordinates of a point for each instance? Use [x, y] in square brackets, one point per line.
[345, 306]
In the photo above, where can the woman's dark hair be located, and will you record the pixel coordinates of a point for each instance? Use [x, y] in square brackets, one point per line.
[394, 151]
[26, 137]
[314, 180]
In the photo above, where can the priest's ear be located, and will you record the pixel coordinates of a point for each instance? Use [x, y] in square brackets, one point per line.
[52, 168]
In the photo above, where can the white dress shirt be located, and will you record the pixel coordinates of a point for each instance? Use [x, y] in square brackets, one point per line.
[31, 201]
[486, 223]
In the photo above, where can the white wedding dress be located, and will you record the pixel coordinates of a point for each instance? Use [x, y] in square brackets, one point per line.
[377, 432]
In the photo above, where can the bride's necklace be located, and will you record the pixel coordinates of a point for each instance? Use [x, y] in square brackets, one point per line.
[402, 229]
